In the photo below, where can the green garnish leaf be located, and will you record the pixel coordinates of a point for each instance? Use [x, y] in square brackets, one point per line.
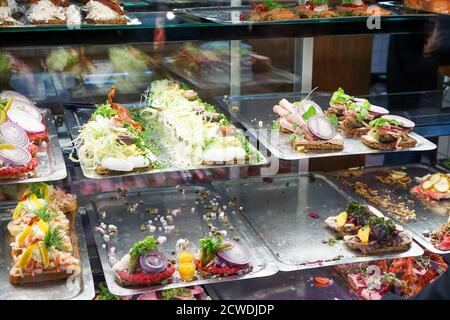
[340, 96]
[39, 189]
[346, 2]
[208, 248]
[53, 238]
[381, 122]
[171, 293]
[309, 113]
[318, 2]
[334, 120]
[142, 246]
[276, 125]
[270, 4]
[104, 110]
[184, 86]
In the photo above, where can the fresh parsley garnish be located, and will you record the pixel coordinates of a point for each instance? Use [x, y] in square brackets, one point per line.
[104, 110]
[142, 246]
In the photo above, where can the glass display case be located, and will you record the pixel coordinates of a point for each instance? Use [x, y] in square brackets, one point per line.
[243, 137]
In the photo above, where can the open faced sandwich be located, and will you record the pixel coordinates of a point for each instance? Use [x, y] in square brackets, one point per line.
[359, 8]
[104, 12]
[389, 133]
[435, 186]
[315, 9]
[44, 244]
[440, 237]
[367, 231]
[309, 128]
[222, 257]
[144, 265]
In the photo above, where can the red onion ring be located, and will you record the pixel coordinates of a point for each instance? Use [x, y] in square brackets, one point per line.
[321, 127]
[11, 132]
[236, 254]
[16, 157]
[25, 120]
[153, 262]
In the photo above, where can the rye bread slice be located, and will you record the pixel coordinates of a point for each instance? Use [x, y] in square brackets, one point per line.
[409, 142]
[52, 21]
[353, 242]
[21, 175]
[118, 20]
[319, 145]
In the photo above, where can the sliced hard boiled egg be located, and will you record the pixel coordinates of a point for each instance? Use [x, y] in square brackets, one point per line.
[117, 164]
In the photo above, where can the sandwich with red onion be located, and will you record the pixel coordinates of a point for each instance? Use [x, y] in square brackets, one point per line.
[144, 265]
[309, 128]
[359, 8]
[315, 9]
[222, 257]
[389, 133]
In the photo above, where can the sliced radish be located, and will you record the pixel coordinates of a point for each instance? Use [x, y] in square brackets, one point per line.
[321, 127]
[378, 110]
[405, 123]
[25, 120]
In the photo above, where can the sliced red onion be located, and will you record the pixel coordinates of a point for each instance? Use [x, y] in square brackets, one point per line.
[405, 123]
[321, 127]
[148, 296]
[235, 254]
[25, 120]
[153, 262]
[11, 132]
[378, 110]
[16, 157]
[195, 290]
[304, 105]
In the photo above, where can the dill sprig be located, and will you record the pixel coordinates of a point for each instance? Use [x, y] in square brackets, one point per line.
[45, 214]
[53, 238]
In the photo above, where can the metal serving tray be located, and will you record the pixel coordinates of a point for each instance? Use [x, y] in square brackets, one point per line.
[232, 15]
[78, 116]
[296, 285]
[80, 288]
[51, 161]
[278, 209]
[255, 113]
[188, 225]
[428, 216]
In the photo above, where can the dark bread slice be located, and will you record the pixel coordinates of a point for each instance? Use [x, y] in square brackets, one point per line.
[104, 171]
[21, 175]
[322, 145]
[405, 143]
[119, 20]
[353, 242]
[52, 21]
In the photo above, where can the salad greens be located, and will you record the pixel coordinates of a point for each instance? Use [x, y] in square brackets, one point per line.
[104, 294]
[208, 248]
[381, 122]
[340, 96]
[270, 4]
[171, 293]
[104, 110]
[142, 246]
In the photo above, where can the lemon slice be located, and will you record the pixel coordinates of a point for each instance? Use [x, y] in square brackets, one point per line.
[7, 146]
[2, 116]
[341, 219]
[44, 254]
[35, 201]
[431, 181]
[23, 235]
[26, 256]
[363, 234]
[17, 210]
[43, 226]
[8, 105]
[442, 185]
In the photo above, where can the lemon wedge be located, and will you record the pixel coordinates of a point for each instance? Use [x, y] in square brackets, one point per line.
[17, 210]
[8, 105]
[363, 234]
[442, 185]
[44, 254]
[2, 116]
[7, 146]
[23, 235]
[341, 219]
[26, 256]
[35, 201]
[43, 226]
[431, 181]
